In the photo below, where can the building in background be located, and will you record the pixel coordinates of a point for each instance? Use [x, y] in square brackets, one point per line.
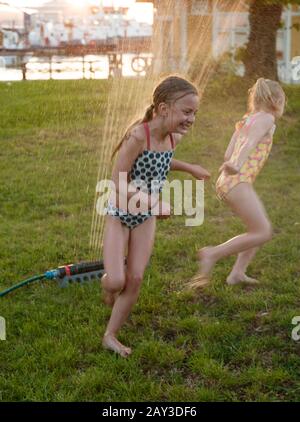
[184, 34]
[15, 25]
[189, 30]
[58, 23]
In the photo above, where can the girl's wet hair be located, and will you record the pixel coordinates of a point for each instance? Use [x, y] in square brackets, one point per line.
[168, 91]
[265, 94]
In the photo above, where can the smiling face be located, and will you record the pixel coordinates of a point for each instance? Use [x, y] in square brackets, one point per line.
[181, 114]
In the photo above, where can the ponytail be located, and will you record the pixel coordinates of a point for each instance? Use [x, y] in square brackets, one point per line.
[148, 114]
[265, 93]
[147, 117]
[263, 90]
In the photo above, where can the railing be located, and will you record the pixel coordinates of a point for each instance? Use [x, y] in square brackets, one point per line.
[74, 58]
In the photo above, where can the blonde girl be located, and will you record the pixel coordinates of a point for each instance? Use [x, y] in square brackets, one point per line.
[245, 156]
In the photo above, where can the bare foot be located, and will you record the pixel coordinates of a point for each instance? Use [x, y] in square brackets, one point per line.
[197, 283]
[110, 342]
[206, 263]
[250, 280]
[240, 278]
[206, 260]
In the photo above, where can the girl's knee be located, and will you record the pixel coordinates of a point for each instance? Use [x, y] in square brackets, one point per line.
[114, 284]
[268, 232]
[265, 233]
[134, 280]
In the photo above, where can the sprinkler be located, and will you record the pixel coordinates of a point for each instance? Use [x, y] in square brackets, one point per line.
[81, 273]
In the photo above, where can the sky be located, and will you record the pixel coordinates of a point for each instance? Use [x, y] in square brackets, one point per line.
[142, 12]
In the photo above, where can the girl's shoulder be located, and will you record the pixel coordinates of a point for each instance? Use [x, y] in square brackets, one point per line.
[138, 132]
[261, 116]
[264, 121]
[251, 121]
[260, 124]
[137, 136]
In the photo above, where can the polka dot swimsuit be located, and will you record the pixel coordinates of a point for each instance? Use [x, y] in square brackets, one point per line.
[149, 173]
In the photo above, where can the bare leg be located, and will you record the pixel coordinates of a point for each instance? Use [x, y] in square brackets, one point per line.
[245, 203]
[139, 251]
[116, 237]
[238, 272]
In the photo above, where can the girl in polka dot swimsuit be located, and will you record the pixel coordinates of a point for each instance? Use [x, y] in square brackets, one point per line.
[145, 156]
[150, 169]
[245, 156]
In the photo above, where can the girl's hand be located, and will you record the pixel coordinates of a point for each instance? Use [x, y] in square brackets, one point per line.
[199, 172]
[229, 168]
[164, 210]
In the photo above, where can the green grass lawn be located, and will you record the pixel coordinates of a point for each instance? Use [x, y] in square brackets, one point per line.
[226, 344]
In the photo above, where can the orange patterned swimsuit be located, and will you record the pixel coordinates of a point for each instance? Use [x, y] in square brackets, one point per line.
[252, 165]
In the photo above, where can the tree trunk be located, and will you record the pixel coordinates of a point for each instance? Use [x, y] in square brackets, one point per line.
[260, 58]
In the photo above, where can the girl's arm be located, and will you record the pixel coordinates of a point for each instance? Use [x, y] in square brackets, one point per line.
[257, 131]
[230, 147]
[194, 169]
